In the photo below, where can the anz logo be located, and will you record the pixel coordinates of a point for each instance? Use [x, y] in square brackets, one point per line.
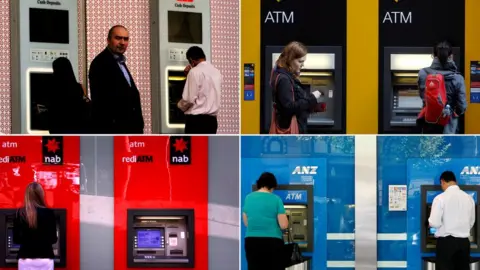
[305, 170]
[470, 170]
[294, 196]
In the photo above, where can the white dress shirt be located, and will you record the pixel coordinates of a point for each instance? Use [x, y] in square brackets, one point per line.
[203, 89]
[453, 213]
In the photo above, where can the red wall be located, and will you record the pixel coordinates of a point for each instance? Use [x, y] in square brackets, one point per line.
[61, 182]
[160, 185]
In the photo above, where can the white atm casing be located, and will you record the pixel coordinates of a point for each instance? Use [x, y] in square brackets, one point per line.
[171, 56]
[26, 60]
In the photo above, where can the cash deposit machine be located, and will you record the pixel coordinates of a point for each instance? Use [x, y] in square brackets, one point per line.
[160, 238]
[400, 96]
[322, 71]
[9, 249]
[298, 202]
[428, 240]
[41, 32]
[178, 26]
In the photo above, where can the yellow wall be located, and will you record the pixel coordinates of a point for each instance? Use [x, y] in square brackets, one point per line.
[250, 53]
[472, 53]
[362, 74]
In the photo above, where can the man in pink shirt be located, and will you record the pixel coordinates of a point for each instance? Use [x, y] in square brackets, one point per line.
[202, 94]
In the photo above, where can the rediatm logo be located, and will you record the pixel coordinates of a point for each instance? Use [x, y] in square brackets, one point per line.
[52, 150]
[180, 150]
[13, 159]
[470, 170]
[305, 170]
[138, 159]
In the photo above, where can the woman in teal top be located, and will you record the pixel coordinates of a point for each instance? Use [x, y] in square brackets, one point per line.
[265, 218]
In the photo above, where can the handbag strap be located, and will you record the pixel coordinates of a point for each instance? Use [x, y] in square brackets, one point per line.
[274, 86]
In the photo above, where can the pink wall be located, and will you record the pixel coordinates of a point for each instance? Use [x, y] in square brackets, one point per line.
[102, 14]
[5, 100]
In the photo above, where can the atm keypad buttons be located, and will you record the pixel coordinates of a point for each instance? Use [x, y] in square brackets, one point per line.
[177, 54]
[44, 55]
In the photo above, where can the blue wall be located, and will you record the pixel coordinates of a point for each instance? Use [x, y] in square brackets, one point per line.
[415, 161]
[333, 185]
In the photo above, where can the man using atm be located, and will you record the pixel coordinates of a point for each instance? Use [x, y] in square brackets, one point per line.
[452, 217]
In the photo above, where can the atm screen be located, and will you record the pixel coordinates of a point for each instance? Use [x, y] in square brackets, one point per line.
[409, 99]
[40, 84]
[49, 26]
[185, 27]
[176, 83]
[149, 239]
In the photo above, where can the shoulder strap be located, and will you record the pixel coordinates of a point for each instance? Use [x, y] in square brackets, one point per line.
[274, 86]
[429, 70]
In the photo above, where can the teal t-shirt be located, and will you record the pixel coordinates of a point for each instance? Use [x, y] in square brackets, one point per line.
[262, 210]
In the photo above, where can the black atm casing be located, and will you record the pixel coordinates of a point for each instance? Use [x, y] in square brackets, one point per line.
[424, 218]
[339, 72]
[386, 92]
[309, 189]
[60, 214]
[188, 213]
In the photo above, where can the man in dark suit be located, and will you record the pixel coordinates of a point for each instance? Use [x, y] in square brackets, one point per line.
[115, 97]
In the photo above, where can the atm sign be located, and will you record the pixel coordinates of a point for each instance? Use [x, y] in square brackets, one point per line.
[292, 196]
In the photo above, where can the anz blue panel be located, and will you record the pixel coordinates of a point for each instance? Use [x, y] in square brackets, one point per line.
[324, 162]
[416, 161]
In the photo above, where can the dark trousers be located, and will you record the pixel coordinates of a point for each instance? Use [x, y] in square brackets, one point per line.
[453, 253]
[200, 124]
[264, 253]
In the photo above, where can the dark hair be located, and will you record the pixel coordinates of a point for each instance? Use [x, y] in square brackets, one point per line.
[442, 51]
[34, 198]
[448, 176]
[110, 32]
[195, 53]
[267, 180]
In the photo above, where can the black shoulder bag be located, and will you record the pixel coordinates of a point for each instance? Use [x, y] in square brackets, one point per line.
[292, 252]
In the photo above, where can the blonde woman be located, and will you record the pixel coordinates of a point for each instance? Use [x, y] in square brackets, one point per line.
[35, 230]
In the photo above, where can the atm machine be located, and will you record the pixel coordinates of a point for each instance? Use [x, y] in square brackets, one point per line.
[323, 71]
[428, 240]
[9, 249]
[180, 25]
[298, 202]
[41, 32]
[160, 238]
[399, 93]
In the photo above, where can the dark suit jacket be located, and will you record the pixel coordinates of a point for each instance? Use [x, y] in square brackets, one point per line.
[116, 104]
[36, 243]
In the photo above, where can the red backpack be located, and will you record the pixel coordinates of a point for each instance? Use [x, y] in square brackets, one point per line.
[435, 99]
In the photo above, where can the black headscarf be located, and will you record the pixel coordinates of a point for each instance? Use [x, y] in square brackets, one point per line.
[63, 74]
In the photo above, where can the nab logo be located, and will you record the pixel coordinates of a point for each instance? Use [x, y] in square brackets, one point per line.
[308, 170]
[294, 196]
[180, 150]
[13, 159]
[52, 150]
